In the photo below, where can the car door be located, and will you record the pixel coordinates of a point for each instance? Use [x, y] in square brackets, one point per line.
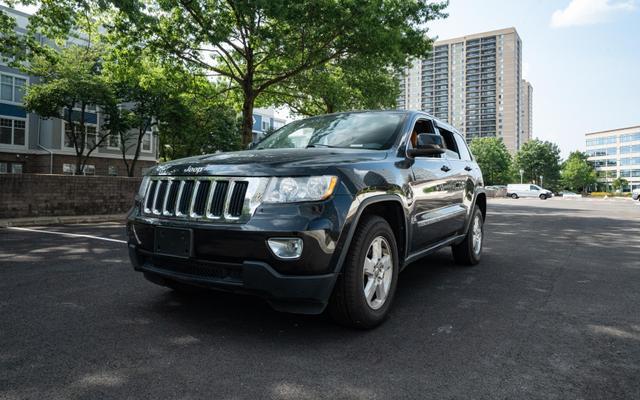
[533, 191]
[430, 186]
[460, 184]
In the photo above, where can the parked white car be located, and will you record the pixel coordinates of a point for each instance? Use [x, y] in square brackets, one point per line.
[570, 195]
[527, 190]
[635, 194]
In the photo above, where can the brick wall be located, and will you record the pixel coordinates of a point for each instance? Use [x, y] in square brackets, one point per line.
[32, 195]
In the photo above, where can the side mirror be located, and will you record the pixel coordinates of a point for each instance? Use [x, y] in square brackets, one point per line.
[428, 144]
[251, 145]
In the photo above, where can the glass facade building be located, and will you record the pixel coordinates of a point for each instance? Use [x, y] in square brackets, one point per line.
[616, 154]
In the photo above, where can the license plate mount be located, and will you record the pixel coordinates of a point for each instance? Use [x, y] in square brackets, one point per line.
[175, 242]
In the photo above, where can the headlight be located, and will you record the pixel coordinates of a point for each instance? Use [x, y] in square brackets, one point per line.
[143, 188]
[293, 190]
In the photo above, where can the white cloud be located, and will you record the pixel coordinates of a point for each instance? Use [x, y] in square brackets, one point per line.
[588, 12]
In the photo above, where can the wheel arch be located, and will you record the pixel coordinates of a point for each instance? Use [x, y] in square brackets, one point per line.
[389, 207]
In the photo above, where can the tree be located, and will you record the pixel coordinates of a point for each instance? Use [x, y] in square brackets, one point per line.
[537, 158]
[619, 184]
[71, 87]
[577, 173]
[334, 87]
[196, 122]
[143, 87]
[493, 158]
[255, 45]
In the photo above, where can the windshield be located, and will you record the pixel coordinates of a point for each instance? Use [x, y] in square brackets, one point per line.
[374, 130]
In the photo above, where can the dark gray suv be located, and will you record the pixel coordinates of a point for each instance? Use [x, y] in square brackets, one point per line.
[323, 213]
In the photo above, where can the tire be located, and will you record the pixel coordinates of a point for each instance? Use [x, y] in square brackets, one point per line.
[514, 196]
[467, 252]
[543, 197]
[349, 305]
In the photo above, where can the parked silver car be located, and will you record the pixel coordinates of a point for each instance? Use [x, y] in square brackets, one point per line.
[635, 194]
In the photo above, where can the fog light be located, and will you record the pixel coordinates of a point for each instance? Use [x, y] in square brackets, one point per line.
[286, 248]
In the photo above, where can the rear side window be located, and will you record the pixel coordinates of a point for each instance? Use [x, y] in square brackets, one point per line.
[465, 154]
[451, 148]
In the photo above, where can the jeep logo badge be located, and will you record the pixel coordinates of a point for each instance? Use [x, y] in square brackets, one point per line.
[195, 170]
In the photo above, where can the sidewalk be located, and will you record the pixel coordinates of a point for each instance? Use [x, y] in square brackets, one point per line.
[72, 219]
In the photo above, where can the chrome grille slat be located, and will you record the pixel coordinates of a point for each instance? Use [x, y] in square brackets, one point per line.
[155, 197]
[204, 198]
[194, 195]
[166, 197]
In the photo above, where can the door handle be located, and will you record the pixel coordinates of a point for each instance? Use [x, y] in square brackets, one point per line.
[468, 168]
[445, 168]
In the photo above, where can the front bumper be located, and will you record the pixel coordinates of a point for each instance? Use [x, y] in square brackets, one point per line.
[289, 293]
[236, 257]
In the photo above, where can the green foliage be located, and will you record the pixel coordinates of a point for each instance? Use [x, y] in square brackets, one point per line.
[334, 87]
[493, 158]
[539, 158]
[577, 173]
[70, 77]
[619, 183]
[195, 122]
[256, 45]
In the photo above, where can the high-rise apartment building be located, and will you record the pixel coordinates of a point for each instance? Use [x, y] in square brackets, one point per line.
[474, 83]
[526, 112]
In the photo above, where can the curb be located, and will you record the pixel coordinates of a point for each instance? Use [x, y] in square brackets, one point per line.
[71, 219]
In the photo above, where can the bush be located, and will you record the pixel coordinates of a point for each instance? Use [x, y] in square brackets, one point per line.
[610, 194]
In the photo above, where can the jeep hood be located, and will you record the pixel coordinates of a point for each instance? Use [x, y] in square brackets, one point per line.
[276, 162]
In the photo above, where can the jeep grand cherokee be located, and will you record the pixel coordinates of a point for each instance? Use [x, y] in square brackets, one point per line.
[323, 213]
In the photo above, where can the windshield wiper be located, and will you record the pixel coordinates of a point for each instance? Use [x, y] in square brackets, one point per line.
[320, 145]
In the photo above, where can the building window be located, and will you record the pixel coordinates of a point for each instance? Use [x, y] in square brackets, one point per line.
[12, 131]
[12, 88]
[147, 140]
[10, 168]
[70, 169]
[91, 136]
[113, 170]
[265, 125]
[113, 141]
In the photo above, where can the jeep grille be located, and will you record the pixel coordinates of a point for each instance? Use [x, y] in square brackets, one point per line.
[224, 199]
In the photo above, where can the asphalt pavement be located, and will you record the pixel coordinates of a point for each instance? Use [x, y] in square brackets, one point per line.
[552, 311]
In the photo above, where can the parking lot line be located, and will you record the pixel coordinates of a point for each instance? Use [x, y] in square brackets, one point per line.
[67, 234]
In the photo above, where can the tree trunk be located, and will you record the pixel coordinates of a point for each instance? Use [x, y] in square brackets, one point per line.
[247, 118]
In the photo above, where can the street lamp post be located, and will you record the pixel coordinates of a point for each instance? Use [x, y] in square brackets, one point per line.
[540, 180]
[521, 172]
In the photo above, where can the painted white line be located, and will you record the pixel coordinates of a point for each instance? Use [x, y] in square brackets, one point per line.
[67, 234]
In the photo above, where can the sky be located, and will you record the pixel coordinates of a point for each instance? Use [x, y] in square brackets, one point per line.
[582, 58]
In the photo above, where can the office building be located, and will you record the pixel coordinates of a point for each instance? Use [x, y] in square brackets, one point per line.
[473, 82]
[616, 154]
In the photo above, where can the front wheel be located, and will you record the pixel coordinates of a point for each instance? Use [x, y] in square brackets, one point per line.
[365, 289]
[469, 251]
[543, 197]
